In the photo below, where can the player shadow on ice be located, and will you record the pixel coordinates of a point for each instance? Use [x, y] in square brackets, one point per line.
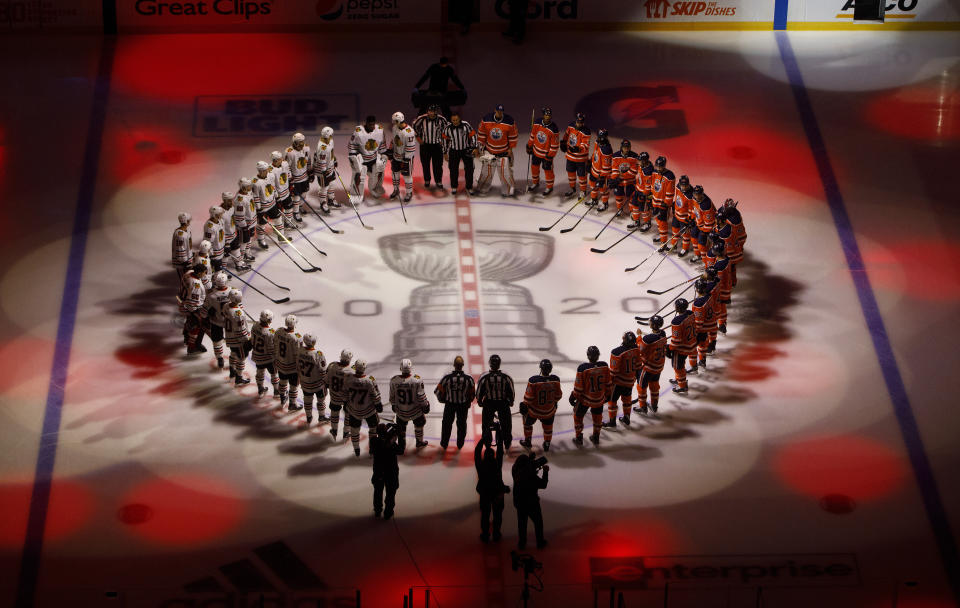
[321, 465]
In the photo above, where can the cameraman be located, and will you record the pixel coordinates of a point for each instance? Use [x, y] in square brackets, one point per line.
[526, 499]
[490, 482]
[386, 471]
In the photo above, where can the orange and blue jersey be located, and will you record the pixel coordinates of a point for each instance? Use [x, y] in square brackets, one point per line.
[683, 333]
[593, 384]
[683, 206]
[542, 395]
[705, 214]
[645, 180]
[632, 163]
[725, 280]
[545, 140]
[705, 313]
[653, 351]
[578, 143]
[731, 243]
[625, 364]
[497, 137]
[600, 159]
[663, 186]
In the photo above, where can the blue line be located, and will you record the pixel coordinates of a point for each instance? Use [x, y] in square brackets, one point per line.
[881, 342]
[780, 15]
[47, 453]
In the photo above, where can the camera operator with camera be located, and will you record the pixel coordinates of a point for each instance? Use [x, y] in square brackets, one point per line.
[526, 485]
[490, 484]
[386, 471]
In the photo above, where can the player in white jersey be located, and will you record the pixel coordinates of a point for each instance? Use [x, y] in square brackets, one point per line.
[214, 305]
[311, 368]
[182, 246]
[281, 172]
[244, 201]
[409, 400]
[365, 149]
[324, 167]
[363, 403]
[190, 300]
[265, 196]
[286, 348]
[231, 231]
[238, 336]
[336, 382]
[403, 152]
[203, 257]
[301, 171]
[262, 340]
[213, 232]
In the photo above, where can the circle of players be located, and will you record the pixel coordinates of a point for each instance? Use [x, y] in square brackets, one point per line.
[272, 200]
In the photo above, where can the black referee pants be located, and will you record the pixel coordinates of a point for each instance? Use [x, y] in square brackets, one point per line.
[502, 410]
[454, 167]
[451, 411]
[432, 154]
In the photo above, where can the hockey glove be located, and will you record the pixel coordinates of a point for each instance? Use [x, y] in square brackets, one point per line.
[529, 149]
[573, 400]
[379, 407]
[523, 409]
[563, 145]
[426, 409]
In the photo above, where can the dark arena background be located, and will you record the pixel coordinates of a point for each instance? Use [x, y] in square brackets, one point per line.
[812, 461]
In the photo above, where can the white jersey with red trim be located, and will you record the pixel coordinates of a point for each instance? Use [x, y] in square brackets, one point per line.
[404, 143]
[300, 163]
[281, 176]
[323, 157]
[213, 232]
[265, 192]
[182, 246]
[367, 144]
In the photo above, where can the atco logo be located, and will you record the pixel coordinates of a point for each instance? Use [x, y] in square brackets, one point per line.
[661, 9]
[896, 7]
[230, 116]
[643, 113]
[548, 9]
[331, 10]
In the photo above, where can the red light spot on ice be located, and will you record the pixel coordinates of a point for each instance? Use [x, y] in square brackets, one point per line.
[927, 269]
[146, 359]
[131, 151]
[187, 510]
[171, 157]
[742, 152]
[70, 506]
[860, 468]
[135, 514]
[929, 112]
[646, 535]
[24, 359]
[749, 363]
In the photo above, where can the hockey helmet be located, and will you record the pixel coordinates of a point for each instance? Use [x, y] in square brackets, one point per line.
[290, 321]
[681, 305]
[235, 296]
[360, 366]
[545, 367]
[216, 212]
[546, 111]
[262, 165]
[683, 180]
[629, 338]
[326, 132]
[298, 138]
[226, 197]
[205, 247]
[309, 340]
[711, 273]
[660, 162]
[698, 189]
[720, 248]
[275, 156]
[266, 316]
[494, 362]
[184, 218]
[499, 107]
[219, 278]
[644, 157]
[244, 182]
[406, 366]
[700, 286]
[345, 356]
[601, 135]
[398, 117]
[593, 353]
[625, 143]
[730, 204]
[656, 322]
[581, 117]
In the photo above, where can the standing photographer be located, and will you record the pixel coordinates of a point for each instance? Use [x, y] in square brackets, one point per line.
[526, 484]
[386, 471]
[490, 482]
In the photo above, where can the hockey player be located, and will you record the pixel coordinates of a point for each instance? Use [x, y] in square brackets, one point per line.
[663, 188]
[362, 404]
[311, 370]
[540, 403]
[213, 232]
[575, 144]
[245, 208]
[682, 212]
[591, 390]
[625, 367]
[409, 400]
[286, 349]
[734, 239]
[497, 134]
[231, 232]
[336, 382]
[600, 171]
[281, 172]
[300, 161]
[215, 304]
[624, 165]
[325, 167]
[643, 209]
[705, 320]
[265, 197]
[653, 349]
[712, 280]
[203, 257]
[542, 147]
[182, 246]
[722, 268]
[402, 154]
[705, 216]
[683, 343]
[190, 300]
[238, 336]
[366, 149]
[262, 340]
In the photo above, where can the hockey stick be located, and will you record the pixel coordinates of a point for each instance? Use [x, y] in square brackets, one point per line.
[287, 253]
[615, 215]
[401, 207]
[646, 319]
[632, 268]
[566, 230]
[352, 203]
[255, 271]
[289, 242]
[623, 238]
[318, 250]
[550, 227]
[647, 278]
[249, 316]
[680, 284]
[310, 207]
[274, 300]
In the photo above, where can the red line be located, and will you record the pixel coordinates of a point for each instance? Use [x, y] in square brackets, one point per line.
[470, 296]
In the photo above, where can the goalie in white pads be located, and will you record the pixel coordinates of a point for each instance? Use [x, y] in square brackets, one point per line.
[325, 167]
[182, 246]
[213, 232]
[402, 155]
[337, 373]
[311, 367]
[299, 159]
[363, 403]
[409, 400]
[366, 149]
[286, 348]
[238, 336]
[261, 337]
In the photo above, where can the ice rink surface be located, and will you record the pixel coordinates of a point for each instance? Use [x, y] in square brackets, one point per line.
[816, 458]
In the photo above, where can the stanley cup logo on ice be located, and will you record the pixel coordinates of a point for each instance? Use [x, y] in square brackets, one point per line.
[432, 331]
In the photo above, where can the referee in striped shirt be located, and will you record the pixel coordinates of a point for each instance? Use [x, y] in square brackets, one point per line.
[455, 391]
[495, 396]
[429, 128]
[459, 144]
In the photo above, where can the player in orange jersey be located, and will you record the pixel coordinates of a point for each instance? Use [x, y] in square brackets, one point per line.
[722, 268]
[663, 187]
[641, 210]
[705, 320]
[575, 144]
[540, 403]
[683, 343]
[625, 367]
[653, 350]
[600, 170]
[497, 134]
[591, 389]
[683, 205]
[542, 146]
[705, 215]
[624, 165]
